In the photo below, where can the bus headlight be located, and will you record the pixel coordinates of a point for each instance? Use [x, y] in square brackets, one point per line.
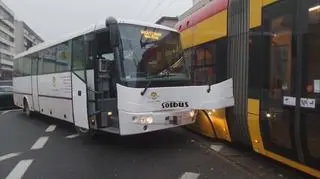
[192, 113]
[143, 119]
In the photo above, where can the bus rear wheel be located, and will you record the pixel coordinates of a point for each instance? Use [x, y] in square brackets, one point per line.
[26, 108]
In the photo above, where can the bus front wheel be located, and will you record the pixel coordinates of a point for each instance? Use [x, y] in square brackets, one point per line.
[85, 132]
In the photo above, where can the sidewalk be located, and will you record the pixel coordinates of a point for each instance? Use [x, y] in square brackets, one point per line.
[245, 159]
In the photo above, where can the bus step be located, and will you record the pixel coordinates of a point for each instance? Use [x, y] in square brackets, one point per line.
[113, 130]
[94, 113]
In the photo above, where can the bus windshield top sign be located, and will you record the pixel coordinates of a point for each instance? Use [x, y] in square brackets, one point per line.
[151, 35]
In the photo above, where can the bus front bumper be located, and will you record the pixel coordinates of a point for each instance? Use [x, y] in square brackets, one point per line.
[136, 123]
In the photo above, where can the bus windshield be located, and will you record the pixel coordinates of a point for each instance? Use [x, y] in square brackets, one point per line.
[150, 53]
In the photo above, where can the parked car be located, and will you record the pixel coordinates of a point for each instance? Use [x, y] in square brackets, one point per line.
[5, 82]
[6, 97]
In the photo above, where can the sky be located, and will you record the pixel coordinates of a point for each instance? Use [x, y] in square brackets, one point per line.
[52, 19]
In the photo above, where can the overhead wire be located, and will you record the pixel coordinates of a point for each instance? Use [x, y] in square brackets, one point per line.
[155, 8]
[168, 5]
[143, 9]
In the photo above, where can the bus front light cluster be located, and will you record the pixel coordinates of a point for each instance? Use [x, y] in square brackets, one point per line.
[143, 119]
[192, 113]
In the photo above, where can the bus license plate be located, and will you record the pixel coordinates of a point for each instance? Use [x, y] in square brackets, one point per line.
[176, 120]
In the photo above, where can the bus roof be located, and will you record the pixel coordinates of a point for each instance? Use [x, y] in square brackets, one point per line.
[98, 26]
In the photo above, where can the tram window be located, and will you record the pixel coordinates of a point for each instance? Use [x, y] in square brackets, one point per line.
[203, 70]
[311, 84]
[281, 59]
[313, 55]
[187, 55]
[255, 63]
[280, 77]
[277, 73]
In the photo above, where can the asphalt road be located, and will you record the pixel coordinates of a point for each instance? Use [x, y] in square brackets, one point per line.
[42, 147]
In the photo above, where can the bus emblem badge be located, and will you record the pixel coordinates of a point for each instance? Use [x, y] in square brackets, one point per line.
[54, 81]
[154, 95]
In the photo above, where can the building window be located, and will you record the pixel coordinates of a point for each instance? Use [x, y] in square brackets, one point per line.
[5, 26]
[6, 36]
[4, 46]
[5, 15]
[5, 56]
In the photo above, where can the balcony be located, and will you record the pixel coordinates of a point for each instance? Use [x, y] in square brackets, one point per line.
[11, 34]
[7, 52]
[2, 40]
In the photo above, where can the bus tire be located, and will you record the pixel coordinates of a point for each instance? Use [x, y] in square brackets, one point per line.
[26, 108]
[90, 133]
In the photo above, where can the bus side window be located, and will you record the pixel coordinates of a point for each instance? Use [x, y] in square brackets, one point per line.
[16, 68]
[27, 66]
[63, 57]
[49, 60]
[40, 63]
[78, 54]
[34, 64]
[20, 66]
[90, 43]
[78, 57]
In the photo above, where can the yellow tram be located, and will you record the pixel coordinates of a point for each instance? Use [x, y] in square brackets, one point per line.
[271, 50]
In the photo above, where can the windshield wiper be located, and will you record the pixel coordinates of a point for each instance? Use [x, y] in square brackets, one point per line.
[145, 88]
[150, 81]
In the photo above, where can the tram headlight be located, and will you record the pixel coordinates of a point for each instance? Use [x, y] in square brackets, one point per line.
[268, 115]
[143, 119]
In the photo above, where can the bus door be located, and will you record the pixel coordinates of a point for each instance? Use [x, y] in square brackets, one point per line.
[79, 83]
[34, 81]
[277, 106]
[310, 101]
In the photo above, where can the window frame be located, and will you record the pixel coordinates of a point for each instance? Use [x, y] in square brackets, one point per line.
[69, 61]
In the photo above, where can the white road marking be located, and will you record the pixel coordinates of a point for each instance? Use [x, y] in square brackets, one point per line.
[72, 136]
[7, 156]
[13, 110]
[190, 175]
[19, 170]
[40, 143]
[216, 148]
[51, 128]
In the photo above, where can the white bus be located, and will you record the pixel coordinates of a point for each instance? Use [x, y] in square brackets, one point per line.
[118, 76]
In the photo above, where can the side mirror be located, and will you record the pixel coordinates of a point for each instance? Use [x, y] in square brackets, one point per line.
[114, 33]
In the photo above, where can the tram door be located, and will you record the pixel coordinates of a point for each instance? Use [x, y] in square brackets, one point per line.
[277, 109]
[310, 98]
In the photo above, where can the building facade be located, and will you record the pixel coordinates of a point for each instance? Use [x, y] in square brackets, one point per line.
[6, 41]
[25, 37]
[167, 21]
